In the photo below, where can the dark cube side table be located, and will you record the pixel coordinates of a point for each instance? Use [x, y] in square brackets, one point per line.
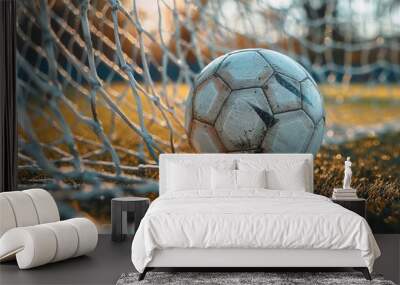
[357, 205]
[119, 214]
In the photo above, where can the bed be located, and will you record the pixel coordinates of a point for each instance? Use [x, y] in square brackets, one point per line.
[247, 210]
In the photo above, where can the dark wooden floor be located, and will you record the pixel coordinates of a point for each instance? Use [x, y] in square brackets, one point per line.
[103, 266]
[110, 260]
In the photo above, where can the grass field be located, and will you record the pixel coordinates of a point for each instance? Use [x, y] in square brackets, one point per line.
[376, 159]
[376, 176]
[379, 105]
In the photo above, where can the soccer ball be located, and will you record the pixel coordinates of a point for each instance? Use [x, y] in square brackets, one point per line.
[255, 100]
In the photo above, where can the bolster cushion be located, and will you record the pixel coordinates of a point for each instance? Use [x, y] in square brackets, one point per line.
[40, 244]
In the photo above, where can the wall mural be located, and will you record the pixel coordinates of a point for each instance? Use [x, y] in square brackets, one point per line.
[104, 87]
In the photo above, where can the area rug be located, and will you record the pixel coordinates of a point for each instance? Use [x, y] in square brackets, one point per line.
[243, 278]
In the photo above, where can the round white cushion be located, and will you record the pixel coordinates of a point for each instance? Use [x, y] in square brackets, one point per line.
[67, 240]
[87, 235]
[45, 206]
[7, 219]
[22, 207]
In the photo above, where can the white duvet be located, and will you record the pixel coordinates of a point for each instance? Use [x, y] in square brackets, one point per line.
[253, 218]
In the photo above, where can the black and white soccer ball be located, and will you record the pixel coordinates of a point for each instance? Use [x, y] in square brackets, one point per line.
[255, 100]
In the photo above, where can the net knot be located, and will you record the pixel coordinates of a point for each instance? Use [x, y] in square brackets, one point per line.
[115, 5]
[85, 5]
[47, 39]
[126, 67]
[147, 137]
[156, 100]
[95, 84]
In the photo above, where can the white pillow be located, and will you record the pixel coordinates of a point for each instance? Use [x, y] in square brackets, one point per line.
[282, 174]
[223, 179]
[251, 178]
[291, 178]
[183, 177]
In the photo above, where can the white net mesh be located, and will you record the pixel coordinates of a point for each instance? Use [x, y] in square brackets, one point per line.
[102, 84]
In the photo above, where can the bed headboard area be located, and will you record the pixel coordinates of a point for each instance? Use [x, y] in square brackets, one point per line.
[234, 160]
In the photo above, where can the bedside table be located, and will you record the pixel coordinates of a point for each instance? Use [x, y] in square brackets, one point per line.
[119, 214]
[357, 205]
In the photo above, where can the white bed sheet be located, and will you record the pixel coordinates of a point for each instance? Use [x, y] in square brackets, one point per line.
[252, 218]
